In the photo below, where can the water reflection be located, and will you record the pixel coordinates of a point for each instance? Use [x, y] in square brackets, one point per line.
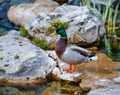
[7, 89]
[115, 55]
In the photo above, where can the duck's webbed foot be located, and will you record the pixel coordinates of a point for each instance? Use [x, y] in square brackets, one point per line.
[70, 69]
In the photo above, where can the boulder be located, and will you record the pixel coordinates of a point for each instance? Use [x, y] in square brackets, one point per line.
[23, 13]
[21, 61]
[85, 25]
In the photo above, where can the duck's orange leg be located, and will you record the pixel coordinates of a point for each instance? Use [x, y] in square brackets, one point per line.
[70, 69]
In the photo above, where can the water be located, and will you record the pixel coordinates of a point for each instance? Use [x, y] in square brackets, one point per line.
[7, 89]
[111, 47]
[115, 55]
[115, 50]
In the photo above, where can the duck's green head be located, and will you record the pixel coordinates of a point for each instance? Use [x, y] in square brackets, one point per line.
[62, 32]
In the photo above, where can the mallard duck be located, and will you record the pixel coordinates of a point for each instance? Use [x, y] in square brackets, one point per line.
[71, 55]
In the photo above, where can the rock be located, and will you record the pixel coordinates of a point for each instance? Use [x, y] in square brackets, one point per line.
[100, 76]
[84, 28]
[21, 61]
[23, 13]
[112, 90]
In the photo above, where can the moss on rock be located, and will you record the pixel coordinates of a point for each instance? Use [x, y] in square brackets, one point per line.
[23, 31]
[41, 43]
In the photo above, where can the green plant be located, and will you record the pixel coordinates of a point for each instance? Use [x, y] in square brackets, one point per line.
[91, 11]
[85, 3]
[107, 45]
[49, 30]
[106, 11]
[58, 24]
[114, 18]
[40, 43]
[23, 31]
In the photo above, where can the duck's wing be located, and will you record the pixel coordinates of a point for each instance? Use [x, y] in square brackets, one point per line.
[82, 51]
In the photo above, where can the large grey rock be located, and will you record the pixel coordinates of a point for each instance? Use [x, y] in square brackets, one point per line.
[85, 24]
[19, 59]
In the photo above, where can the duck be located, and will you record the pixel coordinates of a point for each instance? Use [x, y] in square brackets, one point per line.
[71, 55]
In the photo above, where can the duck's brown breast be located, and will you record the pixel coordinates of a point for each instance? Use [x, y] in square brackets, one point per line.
[61, 47]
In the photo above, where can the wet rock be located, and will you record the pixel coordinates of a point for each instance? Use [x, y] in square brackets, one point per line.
[22, 62]
[71, 89]
[100, 75]
[112, 90]
[85, 27]
[23, 13]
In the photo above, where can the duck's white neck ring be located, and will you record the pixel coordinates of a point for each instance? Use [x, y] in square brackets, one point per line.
[64, 37]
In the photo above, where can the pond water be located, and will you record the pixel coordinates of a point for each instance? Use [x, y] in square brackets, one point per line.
[7, 89]
[49, 88]
[115, 55]
[115, 50]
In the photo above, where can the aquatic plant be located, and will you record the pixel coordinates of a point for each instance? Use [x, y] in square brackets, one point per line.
[114, 18]
[40, 43]
[23, 31]
[107, 46]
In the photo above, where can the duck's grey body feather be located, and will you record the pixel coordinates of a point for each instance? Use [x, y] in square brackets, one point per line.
[75, 55]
